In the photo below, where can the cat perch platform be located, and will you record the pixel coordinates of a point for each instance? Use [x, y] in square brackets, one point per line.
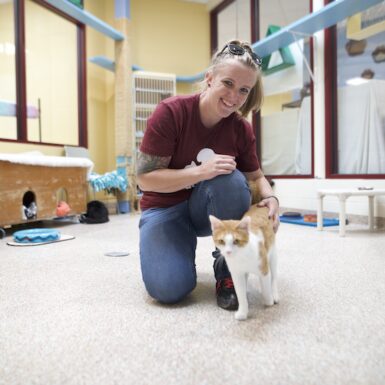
[343, 195]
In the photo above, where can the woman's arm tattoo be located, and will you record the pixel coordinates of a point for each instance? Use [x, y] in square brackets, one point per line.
[146, 163]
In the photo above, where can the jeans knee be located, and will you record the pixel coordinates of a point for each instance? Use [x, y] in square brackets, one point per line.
[170, 291]
[233, 181]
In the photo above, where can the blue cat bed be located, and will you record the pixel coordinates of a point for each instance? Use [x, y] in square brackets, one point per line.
[35, 237]
[300, 221]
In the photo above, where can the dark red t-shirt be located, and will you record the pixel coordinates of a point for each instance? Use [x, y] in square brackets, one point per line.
[175, 129]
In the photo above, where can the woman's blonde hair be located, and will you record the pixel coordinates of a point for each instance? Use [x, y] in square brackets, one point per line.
[255, 97]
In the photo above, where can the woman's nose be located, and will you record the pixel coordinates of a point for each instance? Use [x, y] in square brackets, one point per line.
[234, 96]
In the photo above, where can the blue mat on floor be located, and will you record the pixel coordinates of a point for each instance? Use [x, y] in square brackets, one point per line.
[300, 221]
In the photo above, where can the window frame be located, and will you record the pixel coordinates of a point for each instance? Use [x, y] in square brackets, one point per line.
[21, 75]
[256, 117]
[331, 110]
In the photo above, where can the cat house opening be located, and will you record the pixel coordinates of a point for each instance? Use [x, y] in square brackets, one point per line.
[29, 207]
[62, 205]
[61, 195]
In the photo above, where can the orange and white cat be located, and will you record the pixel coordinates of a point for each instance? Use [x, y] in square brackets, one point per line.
[248, 246]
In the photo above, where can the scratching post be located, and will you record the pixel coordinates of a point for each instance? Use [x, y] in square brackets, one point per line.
[124, 143]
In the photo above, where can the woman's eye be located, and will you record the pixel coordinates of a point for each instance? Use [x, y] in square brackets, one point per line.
[227, 83]
[244, 91]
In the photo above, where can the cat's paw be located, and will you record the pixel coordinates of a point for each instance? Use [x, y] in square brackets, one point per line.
[268, 301]
[275, 295]
[240, 316]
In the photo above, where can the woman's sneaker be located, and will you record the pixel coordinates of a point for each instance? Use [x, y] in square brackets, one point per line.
[226, 297]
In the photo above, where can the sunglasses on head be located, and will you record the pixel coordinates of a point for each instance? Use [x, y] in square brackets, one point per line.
[238, 50]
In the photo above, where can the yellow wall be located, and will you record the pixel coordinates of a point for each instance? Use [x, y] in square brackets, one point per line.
[100, 88]
[51, 75]
[169, 36]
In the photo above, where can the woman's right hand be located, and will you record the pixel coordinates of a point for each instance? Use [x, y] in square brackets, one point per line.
[153, 173]
[218, 165]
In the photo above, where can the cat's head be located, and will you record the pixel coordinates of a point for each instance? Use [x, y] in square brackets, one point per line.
[230, 235]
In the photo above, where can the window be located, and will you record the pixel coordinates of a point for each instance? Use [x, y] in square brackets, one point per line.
[356, 96]
[8, 123]
[286, 129]
[231, 22]
[49, 96]
[283, 126]
[233, 19]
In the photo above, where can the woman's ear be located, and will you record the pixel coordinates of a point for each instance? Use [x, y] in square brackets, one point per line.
[208, 78]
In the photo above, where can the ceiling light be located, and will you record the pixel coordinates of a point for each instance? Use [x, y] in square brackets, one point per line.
[356, 81]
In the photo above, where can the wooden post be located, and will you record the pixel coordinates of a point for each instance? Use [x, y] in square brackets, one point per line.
[124, 135]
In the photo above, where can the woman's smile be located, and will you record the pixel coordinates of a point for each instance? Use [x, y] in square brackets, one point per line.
[228, 89]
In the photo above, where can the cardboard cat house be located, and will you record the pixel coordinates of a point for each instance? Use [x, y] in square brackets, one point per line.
[30, 184]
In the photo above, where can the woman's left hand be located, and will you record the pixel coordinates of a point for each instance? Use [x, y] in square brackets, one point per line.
[273, 206]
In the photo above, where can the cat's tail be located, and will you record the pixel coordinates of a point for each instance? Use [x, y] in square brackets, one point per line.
[255, 194]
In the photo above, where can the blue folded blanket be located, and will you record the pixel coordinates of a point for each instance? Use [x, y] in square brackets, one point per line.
[300, 221]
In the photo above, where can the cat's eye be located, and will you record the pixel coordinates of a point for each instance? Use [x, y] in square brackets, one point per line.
[235, 242]
[221, 242]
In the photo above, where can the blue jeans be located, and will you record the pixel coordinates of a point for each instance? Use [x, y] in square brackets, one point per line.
[168, 236]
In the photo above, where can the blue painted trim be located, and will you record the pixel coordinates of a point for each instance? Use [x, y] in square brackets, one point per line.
[103, 62]
[191, 79]
[137, 68]
[86, 18]
[122, 9]
[110, 65]
[7, 108]
[325, 17]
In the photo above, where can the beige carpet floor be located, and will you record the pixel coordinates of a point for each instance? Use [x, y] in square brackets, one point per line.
[71, 315]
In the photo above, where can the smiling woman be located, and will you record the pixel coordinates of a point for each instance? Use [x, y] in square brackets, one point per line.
[197, 154]
[232, 88]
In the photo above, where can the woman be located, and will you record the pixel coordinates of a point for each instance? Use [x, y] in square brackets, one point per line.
[196, 156]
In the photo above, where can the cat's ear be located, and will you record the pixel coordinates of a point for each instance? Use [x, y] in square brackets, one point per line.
[244, 224]
[215, 222]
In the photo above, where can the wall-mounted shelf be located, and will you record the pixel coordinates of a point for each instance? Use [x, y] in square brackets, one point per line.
[109, 65]
[325, 17]
[103, 62]
[86, 18]
[9, 109]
